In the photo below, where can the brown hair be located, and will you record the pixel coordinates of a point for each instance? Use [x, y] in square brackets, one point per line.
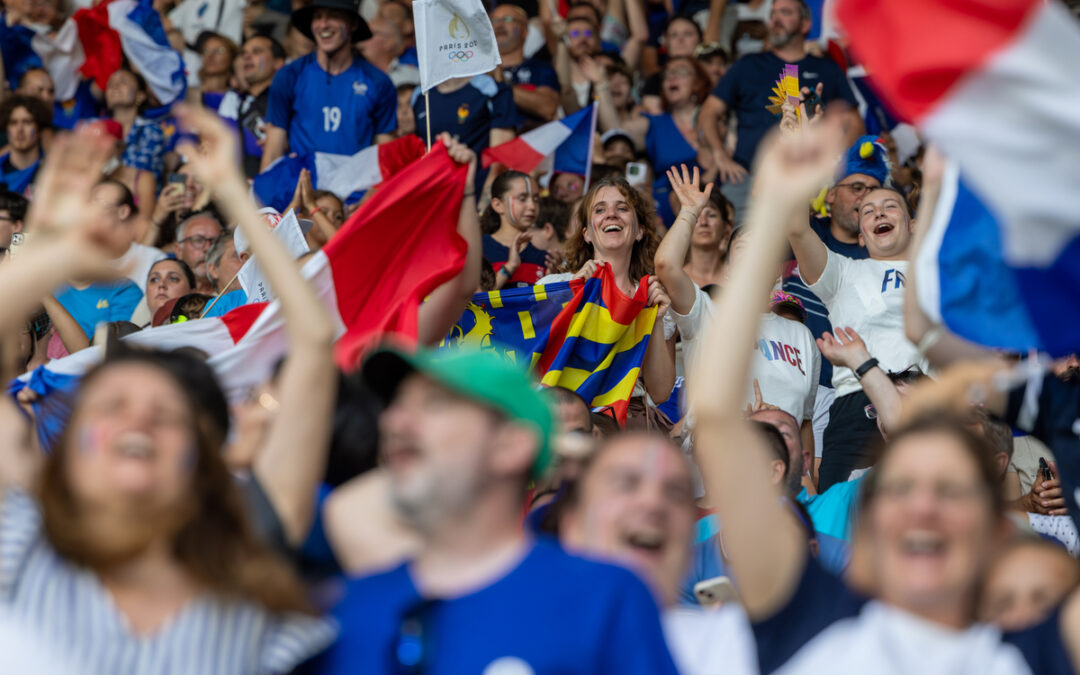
[641, 259]
[977, 449]
[213, 540]
[701, 80]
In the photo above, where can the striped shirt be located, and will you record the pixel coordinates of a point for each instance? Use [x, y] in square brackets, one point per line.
[68, 607]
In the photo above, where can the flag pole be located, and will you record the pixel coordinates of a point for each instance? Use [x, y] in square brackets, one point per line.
[218, 296]
[427, 118]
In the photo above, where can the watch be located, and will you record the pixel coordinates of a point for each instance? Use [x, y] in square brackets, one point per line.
[865, 368]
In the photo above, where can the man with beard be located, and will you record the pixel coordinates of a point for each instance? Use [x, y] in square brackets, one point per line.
[461, 439]
[331, 100]
[534, 82]
[747, 85]
[260, 59]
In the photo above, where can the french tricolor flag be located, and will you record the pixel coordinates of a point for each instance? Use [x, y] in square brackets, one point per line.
[996, 86]
[371, 276]
[341, 174]
[564, 146]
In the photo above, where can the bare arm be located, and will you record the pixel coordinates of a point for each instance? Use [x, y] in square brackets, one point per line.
[810, 251]
[383, 138]
[293, 461]
[671, 254]
[446, 303]
[639, 33]
[847, 350]
[69, 330]
[276, 145]
[658, 368]
[766, 549]
[542, 101]
[716, 18]
[712, 112]
[607, 117]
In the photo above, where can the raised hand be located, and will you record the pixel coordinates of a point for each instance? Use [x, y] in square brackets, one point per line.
[758, 405]
[520, 242]
[846, 349]
[658, 297]
[793, 168]
[591, 69]
[215, 161]
[462, 154]
[691, 197]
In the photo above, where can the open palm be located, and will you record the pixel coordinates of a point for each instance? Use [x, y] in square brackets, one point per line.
[686, 187]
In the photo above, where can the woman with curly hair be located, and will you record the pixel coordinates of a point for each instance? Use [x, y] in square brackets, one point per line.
[616, 232]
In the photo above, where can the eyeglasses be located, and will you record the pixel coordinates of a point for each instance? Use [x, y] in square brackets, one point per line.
[584, 32]
[198, 241]
[858, 189]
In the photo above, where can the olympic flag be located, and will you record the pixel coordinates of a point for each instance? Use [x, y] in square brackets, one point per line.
[454, 38]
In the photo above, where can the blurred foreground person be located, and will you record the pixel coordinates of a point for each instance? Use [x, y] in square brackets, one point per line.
[461, 438]
[1026, 582]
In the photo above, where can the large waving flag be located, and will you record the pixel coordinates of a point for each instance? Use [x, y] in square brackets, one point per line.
[371, 277]
[454, 38]
[340, 174]
[997, 88]
[564, 145]
[583, 335]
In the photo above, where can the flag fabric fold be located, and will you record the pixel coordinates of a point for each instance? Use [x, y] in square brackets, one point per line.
[584, 335]
[998, 92]
[341, 174]
[454, 38]
[564, 145]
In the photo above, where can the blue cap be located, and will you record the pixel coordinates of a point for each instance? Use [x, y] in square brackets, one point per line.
[869, 157]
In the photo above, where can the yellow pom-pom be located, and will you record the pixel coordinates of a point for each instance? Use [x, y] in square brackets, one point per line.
[866, 150]
[819, 202]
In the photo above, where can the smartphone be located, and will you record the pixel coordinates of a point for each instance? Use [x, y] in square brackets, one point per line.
[178, 178]
[715, 592]
[1044, 470]
[636, 173]
[18, 240]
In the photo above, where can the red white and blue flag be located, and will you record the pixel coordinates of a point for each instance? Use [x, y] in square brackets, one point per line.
[996, 86]
[564, 146]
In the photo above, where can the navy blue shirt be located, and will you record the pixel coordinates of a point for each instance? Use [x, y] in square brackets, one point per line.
[554, 613]
[531, 74]
[470, 112]
[817, 316]
[747, 85]
[332, 113]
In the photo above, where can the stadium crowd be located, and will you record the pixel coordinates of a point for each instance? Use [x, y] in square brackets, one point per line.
[809, 474]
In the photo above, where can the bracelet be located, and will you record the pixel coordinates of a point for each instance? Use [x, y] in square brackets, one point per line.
[507, 272]
[314, 210]
[866, 367]
[468, 194]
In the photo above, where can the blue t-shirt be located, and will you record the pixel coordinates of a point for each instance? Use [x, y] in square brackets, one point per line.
[531, 74]
[833, 511]
[17, 180]
[100, 302]
[83, 106]
[227, 303]
[822, 600]
[470, 112]
[747, 85]
[331, 113]
[553, 613]
[666, 147]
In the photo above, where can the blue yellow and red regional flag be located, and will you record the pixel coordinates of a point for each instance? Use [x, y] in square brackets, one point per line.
[584, 335]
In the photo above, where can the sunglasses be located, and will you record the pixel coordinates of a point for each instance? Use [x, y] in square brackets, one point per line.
[584, 32]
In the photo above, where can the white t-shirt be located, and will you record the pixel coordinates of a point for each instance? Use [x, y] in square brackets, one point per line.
[711, 641]
[867, 295]
[786, 362]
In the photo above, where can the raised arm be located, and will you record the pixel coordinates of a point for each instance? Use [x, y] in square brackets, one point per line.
[766, 548]
[607, 117]
[847, 350]
[277, 143]
[639, 33]
[716, 20]
[69, 330]
[671, 256]
[293, 461]
[446, 303]
[712, 111]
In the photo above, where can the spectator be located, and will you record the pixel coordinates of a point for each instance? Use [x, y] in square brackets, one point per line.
[634, 505]
[406, 118]
[1026, 582]
[24, 119]
[618, 148]
[534, 83]
[260, 58]
[12, 213]
[710, 242]
[578, 38]
[222, 266]
[671, 138]
[168, 279]
[194, 237]
[385, 47]
[567, 187]
[478, 110]
[400, 14]
[461, 436]
[143, 161]
[192, 19]
[745, 89]
[867, 295]
[715, 60]
[507, 223]
[218, 54]
[332, 100]
[682, 36]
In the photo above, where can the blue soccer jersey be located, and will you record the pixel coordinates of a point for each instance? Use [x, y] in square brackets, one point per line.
[332, 113]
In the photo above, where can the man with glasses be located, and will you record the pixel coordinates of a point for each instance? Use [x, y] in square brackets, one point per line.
[461, 439]
[534, 82]
[194, 237]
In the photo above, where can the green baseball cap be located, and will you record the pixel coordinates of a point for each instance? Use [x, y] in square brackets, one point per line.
[481, 376]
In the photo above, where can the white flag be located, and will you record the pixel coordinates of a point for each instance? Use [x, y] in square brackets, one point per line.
[251, 277]
[454, 38]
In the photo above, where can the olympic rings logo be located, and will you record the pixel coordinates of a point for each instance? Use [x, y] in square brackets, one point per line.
[460, 57]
